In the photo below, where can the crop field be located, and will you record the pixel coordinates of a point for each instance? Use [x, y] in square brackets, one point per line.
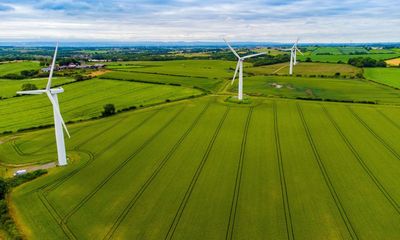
[345, 57]
[394, 62]
[319, 88]
[8, 88]
[84, 100]
[207, 169]
[306, 69]
[387, 76]
[17, 67]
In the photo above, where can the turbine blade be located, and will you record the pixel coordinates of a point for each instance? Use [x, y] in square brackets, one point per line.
[254, 55]
[52, 68]
[299, 51]
[236, 70]
[58, 112]
[31, 92]
[234, 52]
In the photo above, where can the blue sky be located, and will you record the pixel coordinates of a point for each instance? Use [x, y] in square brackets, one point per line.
[187, 20]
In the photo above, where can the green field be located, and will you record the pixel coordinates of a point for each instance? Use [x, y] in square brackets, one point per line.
[85, 100]
[306, 69]
[17, 67]
[320, 88]
[8, 88]
[387, 76]
[206, 169]
[345, 57]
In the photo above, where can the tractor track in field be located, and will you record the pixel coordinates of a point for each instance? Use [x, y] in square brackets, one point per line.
[363, 164]
[143, 188]
[388, 119]
[193, 182]
[42, 191]
[119, 167]
[326, 177]
[285, 196]
[381, 140]
[92, 156]
[238, 180]
[55, 215]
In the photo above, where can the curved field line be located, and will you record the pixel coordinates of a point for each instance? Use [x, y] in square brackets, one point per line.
[326, 177]
[143, 188]
[285, 197]
[388, 119]
[199, 169]
[64, 178]
[374, 133]
[362, 163]
[56, 216]
[235, 198]
[118, 168]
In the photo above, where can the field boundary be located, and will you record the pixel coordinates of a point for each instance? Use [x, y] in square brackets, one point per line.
[238, 180]
[326, 177]
[367, 170]
[143, 188]
[182, 206]
[285, 196]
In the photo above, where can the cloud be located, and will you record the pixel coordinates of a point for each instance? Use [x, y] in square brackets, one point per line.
[169, 20]
[4, 8]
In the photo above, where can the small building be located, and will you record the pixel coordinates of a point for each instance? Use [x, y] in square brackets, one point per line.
[46, 69]
[20, 172]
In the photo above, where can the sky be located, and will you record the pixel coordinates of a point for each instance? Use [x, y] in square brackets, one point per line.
[313, 21]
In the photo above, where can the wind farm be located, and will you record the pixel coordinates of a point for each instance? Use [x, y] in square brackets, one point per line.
[302, 142]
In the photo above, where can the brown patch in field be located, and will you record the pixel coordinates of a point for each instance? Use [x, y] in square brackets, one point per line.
[99, 72]
[393, 62]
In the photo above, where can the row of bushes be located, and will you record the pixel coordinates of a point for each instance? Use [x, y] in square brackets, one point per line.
[337, 100]
[6, 221]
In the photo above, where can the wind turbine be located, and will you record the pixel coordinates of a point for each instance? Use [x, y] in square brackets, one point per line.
[293, 56]
[239, 67]
[58, 120]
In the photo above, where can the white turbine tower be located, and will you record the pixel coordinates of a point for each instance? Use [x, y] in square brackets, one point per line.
[58, 120]
[293, 56]
[239, 66]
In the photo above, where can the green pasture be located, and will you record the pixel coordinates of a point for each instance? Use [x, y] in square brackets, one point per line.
[128, 75]
[17, 67]
[320, 88]
[206, 169]
[8, 88]
[306, 69]
[345, 57]
[83, 100]
[387, 76]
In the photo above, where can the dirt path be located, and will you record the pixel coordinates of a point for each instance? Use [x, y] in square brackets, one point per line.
[99, 72]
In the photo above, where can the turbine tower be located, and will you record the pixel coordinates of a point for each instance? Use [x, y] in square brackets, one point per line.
[239, 67]
[58, 120]
[293, 56]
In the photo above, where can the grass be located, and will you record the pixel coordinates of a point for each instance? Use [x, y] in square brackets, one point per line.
[76, 104]
[306, 69]
[345, 57]
[17, 67]
[8, 88]
[319, 88]
[279, 169]
[387, 76]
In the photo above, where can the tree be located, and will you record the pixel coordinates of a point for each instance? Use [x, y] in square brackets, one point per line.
[28, 86]
[109, 109]
[3, 188]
